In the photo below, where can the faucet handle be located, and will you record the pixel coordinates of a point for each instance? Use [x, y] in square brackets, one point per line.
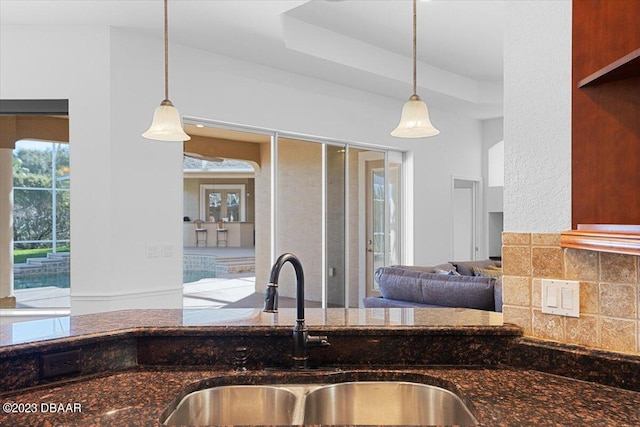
[318, 341]
[240, 359]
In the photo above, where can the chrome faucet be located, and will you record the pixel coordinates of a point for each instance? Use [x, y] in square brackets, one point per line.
[301, 338]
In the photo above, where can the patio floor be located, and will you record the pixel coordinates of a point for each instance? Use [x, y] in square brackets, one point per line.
[231, 291]
[218, 293]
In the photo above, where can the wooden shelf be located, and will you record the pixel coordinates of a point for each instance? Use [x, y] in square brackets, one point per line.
[626, 67]
[621, 239]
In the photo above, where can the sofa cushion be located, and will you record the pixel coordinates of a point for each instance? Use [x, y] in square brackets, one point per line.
[427, 269]
[466, 267]
[436, 289]
[400, 283]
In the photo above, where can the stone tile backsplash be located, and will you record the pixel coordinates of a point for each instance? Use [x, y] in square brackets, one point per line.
[609, 292]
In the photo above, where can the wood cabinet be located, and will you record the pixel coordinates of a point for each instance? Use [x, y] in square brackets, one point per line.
[606, 112]
[621, 69]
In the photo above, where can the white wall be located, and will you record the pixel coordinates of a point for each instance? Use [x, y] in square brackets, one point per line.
[492, 133]
[242, 92]
[436, 161]
[537, 106]
[127, 191]
[146, 195]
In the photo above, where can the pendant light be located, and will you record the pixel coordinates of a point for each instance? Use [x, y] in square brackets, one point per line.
[166, 125]
[414, 121]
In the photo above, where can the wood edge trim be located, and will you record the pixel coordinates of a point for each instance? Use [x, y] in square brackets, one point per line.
[621, 243]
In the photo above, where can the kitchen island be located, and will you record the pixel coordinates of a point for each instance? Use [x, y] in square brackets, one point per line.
[237, 234]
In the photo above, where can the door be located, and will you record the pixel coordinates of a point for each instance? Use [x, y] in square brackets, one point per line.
[465, 207]
[380, 215]
[224, 202]
[375, 222]
[214, 206]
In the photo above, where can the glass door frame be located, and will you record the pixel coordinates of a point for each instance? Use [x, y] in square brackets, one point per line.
[405, 251]
[401, 245]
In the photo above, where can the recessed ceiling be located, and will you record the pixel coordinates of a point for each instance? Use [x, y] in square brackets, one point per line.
[459, 41]
[227, 134]
[462, 37]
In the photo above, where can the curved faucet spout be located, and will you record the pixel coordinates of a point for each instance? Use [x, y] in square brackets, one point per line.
[301, 337]
[271, 297]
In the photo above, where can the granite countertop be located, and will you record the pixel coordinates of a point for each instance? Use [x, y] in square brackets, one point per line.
[496, 397]
[378, 320]
[137, 364]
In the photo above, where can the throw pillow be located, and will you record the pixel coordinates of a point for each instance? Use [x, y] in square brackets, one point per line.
[452, 272]
[465, 268]
[487, 272]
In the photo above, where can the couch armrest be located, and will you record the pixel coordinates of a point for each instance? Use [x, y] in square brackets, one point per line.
[497, 295]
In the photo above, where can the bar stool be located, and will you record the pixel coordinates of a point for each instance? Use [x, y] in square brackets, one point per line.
[221, 234]
[200, 232]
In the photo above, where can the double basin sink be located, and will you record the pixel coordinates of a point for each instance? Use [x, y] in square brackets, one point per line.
[347, 403]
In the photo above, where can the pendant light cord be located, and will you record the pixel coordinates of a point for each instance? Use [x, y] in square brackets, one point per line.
[166, 51]
[414, 47]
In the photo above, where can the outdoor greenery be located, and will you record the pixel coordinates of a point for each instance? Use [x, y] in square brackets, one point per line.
[21, 255]
[33, 174]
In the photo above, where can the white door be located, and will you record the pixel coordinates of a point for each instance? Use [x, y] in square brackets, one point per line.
[375, 220]
[465, 241]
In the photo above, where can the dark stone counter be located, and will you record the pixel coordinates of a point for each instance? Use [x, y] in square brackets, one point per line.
[496, 396]
[135, 365]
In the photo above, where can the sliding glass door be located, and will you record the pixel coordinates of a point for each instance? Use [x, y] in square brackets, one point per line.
[299, 214]
[380, 182]
[335, 229]
[338, 209]
[335, 205]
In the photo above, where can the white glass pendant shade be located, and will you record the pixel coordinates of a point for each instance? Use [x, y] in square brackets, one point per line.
[166, 125]
[414, 121]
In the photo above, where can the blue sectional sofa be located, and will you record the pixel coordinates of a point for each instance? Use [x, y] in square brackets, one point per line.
[469, 284]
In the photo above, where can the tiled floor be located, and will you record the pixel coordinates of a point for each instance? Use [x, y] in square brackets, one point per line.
[231, 293]
[237, 292]
[217, 292]
[47, 297]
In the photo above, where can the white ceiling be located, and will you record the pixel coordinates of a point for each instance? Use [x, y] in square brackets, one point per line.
[365, 44]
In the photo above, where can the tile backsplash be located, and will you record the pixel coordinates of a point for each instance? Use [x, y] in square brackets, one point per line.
[609, 283]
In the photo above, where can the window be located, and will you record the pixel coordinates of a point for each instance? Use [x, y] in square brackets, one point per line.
[41, 197]
[222, 202]
[41, 218]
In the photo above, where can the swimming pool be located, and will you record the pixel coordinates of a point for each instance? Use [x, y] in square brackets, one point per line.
[41, 281]
[63, 280]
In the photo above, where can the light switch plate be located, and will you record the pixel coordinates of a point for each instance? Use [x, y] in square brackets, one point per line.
[561, 297]
[167, 250]
[152, 250]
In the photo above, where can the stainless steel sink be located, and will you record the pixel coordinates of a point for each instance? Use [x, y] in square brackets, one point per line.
[361, 402]
[235, 405]
[385, 403]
